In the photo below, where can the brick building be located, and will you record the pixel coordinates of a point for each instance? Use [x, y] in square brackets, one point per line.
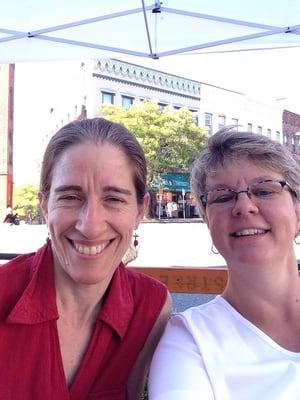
[291, 131]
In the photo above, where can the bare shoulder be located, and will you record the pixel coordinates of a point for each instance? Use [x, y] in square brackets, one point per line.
[139, 372]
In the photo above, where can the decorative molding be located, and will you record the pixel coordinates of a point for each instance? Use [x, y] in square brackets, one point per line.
[128, 72]
[131, 83]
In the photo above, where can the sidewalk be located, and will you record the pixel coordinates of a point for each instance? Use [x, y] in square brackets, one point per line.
[171, 220]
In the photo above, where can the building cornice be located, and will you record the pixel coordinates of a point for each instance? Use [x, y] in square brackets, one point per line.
[147, 78]
[141, 85]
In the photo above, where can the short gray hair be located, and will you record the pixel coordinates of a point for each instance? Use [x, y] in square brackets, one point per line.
[228, 145]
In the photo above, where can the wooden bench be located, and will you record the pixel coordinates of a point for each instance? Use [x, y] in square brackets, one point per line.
[203, 280]
[188, 279]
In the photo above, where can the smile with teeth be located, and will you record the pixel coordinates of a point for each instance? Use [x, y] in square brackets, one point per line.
[250, 232]
[90, 250]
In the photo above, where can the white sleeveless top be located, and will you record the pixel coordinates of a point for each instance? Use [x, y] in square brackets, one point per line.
[211, 352]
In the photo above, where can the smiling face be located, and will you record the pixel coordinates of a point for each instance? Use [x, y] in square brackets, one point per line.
[91, 212]
[252, 231]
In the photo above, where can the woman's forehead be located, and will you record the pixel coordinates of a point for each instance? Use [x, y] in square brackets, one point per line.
[241, 168]
[85, 159]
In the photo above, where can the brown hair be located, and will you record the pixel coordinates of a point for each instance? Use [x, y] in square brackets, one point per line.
[96, 130]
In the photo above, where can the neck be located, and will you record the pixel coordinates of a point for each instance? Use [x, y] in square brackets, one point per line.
[263, 288]
[78, 305]
[76, 301]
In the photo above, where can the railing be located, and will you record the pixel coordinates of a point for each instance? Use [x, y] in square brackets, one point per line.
[8, 256]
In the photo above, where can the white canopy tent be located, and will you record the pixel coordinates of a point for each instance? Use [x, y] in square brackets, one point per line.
[34, 30]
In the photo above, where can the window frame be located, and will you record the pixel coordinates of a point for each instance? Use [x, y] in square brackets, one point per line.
[107, 93]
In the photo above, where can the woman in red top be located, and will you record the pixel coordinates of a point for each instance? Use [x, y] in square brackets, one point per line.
[74, 322]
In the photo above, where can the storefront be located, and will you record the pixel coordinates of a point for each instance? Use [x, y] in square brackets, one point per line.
[173, 197]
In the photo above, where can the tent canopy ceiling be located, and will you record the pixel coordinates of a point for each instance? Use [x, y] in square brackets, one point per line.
[34, 30]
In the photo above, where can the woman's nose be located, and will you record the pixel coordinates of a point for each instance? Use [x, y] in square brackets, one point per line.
[91, 220]
[244, 204]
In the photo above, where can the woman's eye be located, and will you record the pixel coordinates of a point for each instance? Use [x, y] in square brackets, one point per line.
[263, 193]
[69, 198]
[220, 197]
[223, 198]
[115, 200]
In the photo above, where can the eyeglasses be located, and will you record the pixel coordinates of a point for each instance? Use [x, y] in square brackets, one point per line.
[262, 190]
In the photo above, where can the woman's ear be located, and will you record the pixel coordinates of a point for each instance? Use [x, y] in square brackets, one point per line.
[43, 204]
[142, 209]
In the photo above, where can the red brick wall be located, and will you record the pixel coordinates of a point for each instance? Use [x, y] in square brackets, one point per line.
[291, 126]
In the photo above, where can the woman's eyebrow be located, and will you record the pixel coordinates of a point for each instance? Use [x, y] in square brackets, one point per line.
[260, 178]
[108, 188]
[65, 188]
[117, 189]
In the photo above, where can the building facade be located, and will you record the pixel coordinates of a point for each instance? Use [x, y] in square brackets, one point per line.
[123, 84]
[291, 131]
[221, 107]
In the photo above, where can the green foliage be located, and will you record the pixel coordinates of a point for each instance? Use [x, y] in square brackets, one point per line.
[26, 202]
[169, 138]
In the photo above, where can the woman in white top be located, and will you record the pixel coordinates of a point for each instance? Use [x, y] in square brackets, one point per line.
[245, 344]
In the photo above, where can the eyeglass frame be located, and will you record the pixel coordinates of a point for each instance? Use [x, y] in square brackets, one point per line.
[282, 182]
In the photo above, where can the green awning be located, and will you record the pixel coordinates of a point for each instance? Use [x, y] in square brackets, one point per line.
[173, 182]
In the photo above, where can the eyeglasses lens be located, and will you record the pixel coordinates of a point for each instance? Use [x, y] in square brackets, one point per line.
[259, 190]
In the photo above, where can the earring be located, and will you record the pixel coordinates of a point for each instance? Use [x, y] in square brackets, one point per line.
[213, 249]
[135, 242]
[48, 238]
[297, 239]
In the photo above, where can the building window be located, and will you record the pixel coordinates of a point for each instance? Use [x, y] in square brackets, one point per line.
[177, 108]
[108, 98]
[208, 123]
[235, 123]
[127, 101]
[249, 127]
[269, 133]
[194, 116]
[293, 145]
[161, 106]
[259, 130]
[278, 136]
[196, 119]
[221, 121]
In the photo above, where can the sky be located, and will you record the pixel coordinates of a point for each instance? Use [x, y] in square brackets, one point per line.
[44, 91]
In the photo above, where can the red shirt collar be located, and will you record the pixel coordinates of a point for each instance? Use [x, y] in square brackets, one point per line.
[37, 303]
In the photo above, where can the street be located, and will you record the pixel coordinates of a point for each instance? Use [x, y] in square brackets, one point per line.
[160, 244]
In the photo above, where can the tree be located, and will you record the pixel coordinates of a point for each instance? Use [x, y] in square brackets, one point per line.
[169, 138]
[26, 202]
